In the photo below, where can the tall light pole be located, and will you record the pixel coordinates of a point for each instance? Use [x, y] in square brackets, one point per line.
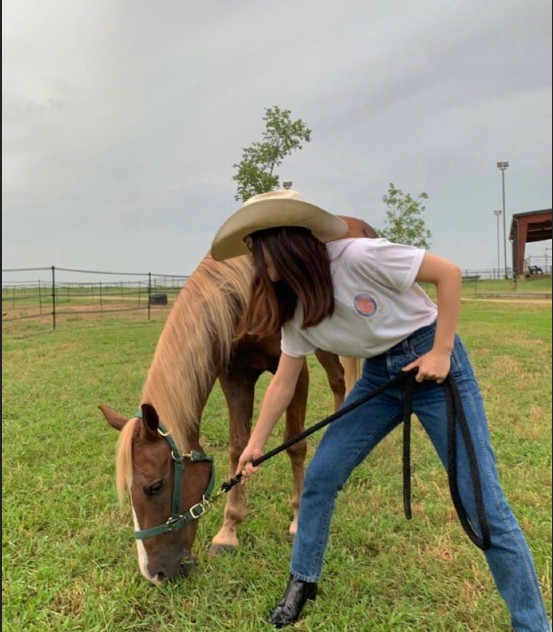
[498, 215]
[502, 166]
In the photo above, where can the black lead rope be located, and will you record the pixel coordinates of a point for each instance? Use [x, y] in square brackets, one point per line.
[227, 486]
[454, 411]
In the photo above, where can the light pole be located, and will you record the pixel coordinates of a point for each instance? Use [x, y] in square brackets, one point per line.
[498, 215]
[502, 166]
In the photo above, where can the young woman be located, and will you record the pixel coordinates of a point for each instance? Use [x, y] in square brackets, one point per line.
[361, 298]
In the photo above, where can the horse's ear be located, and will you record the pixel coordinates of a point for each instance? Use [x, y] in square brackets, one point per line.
[150, 419]
[114, 419]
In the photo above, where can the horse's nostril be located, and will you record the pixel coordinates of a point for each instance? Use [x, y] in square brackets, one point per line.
[186, 566]
[161, 577]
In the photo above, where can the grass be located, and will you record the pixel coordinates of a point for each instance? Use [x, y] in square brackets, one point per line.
[532, 285]
[69, 560]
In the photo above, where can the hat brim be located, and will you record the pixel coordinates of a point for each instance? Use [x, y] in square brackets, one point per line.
[229, 239]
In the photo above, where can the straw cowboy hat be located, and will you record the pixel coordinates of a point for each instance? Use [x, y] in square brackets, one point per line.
[269, 210]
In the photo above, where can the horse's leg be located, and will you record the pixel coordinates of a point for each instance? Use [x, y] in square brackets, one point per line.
[238, 389]
[335, 375]
[352, 371]
[295, 423]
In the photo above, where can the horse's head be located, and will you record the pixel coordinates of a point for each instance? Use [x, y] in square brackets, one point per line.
[167, 491]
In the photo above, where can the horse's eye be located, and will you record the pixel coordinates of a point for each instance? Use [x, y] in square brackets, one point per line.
[154, 489]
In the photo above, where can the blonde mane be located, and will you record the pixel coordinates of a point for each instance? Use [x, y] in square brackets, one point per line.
[123, 463]
[195, 343]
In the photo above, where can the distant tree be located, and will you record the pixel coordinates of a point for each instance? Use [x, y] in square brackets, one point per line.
[404, 224]
[281, 137]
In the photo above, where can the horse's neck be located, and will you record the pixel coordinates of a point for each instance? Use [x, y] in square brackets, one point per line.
[197, 340]
[180, 378]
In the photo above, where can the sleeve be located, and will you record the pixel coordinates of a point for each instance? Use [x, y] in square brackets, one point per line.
[393, 265]
[294, 343]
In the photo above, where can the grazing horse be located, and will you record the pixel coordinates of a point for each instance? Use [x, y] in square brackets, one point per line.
[160, 463]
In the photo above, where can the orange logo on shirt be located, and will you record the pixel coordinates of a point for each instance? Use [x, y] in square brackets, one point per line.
[365, 305]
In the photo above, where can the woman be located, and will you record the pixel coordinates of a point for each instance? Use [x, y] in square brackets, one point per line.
[360, 297]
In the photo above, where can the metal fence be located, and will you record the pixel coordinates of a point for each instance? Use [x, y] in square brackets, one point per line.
[52, 294]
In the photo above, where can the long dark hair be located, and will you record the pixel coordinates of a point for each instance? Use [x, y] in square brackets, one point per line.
[303, 266]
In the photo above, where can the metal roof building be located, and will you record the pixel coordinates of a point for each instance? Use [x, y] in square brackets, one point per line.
[525, 228]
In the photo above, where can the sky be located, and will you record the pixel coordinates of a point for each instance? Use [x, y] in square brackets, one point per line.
[122, 120]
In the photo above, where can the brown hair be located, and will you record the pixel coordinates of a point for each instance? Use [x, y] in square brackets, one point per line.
[303, 266]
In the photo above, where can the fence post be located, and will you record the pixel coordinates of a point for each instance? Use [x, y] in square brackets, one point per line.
[54, 297]
[149, 292]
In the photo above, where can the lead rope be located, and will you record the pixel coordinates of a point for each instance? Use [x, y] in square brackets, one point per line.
[227, 486]
[454, 410]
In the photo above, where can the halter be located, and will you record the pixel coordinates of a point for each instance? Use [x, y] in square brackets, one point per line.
[177, 520]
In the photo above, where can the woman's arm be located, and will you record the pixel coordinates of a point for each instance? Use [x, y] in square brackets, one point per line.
[447, 278]
[276, 400]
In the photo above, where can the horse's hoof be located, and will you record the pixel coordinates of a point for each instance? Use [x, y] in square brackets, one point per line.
[221, 549]
[291, 537]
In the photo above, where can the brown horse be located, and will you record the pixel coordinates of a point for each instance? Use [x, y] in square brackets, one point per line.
[159, 462]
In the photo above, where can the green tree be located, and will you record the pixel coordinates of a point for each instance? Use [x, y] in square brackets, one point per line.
[255, 172]
[404, 224]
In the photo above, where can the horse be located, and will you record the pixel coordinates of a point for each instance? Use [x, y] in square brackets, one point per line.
[160, 463]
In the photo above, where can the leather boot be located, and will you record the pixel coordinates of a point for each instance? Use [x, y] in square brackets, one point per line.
[297, 593]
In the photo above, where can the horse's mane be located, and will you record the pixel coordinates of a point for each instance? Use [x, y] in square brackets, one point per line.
[123, 462]
[195, 343]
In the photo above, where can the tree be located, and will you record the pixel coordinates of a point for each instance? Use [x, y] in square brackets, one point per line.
[404, 224]
[281, 137]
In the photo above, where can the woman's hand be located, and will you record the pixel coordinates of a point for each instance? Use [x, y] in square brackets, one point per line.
[245, 466]
[434, 365]
[447, 278]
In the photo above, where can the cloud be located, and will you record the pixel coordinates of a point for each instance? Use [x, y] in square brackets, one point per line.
[122, 120]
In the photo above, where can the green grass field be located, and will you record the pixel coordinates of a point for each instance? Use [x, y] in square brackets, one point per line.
[68, 555]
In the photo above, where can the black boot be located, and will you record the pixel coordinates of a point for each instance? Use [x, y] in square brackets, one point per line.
[288, 610]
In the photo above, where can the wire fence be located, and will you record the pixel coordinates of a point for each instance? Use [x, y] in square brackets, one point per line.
[53, 294]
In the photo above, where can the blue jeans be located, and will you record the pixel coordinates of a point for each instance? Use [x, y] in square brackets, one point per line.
[349, 439]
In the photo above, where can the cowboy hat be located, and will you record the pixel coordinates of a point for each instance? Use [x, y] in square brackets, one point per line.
[271, 210]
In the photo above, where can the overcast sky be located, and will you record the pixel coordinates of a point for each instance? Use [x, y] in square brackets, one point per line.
[122, 119]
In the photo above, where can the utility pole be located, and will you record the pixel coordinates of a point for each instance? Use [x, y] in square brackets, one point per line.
[498, 215]
[502, 166]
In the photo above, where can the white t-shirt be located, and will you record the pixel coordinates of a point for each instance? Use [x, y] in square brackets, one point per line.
[377, 302]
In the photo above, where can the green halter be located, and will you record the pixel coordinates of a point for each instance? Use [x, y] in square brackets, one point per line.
[178, 520]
